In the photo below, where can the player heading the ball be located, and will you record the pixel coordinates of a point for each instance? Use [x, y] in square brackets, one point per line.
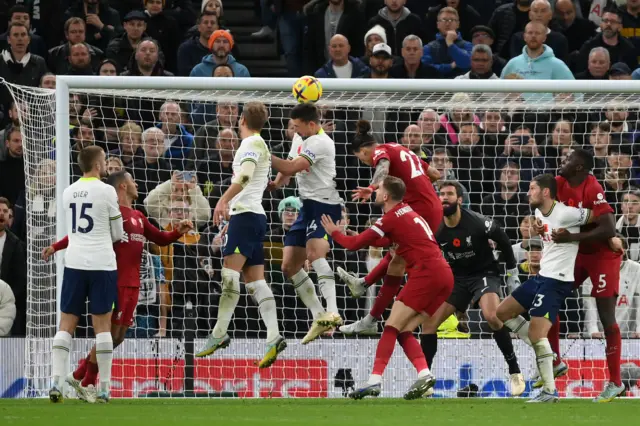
[312, 160]
[94, 222]
[243, 251]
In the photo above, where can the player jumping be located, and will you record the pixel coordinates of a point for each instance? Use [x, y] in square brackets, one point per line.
[390, 160]
[243, 251]
[596, 260]
[544, 294]
[128, 259]
[95, 223]
[429, 284]
[312, 160]
[464, 239]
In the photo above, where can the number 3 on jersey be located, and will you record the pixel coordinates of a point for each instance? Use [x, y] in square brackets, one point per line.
[420, 221]
[414, 161]
[82, 214]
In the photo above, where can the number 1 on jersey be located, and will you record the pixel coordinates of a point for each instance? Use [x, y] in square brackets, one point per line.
[420, 221]
[83, 215]
[414, 161]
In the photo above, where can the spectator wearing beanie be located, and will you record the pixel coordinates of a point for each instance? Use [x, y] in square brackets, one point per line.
[220, 44]
[620, 71]
[164, 30]
[375, 35]
[102, 26]
[398, 22]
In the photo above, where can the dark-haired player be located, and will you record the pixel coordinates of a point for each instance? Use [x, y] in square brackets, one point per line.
[390, 159]
[312, 159]
[428, 286]
[128, 257]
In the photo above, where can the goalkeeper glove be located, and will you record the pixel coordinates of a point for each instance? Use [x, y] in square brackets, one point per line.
[513, 281]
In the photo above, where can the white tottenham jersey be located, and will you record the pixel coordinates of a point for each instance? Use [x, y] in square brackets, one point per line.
[91, 209]
[558, 259]
[627, 305]
[252, 149]
[318, 181]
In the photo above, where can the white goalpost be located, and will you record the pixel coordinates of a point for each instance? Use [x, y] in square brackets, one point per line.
[520, 128]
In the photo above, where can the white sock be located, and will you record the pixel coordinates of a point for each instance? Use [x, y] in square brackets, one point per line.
[104, 355]
[307, 292]
[263, 296]
[520, 326]
[368, 320]
[60, 358]
[374, 379]
[544, 359]
[228, 301]
[424, 373]
[326, 283]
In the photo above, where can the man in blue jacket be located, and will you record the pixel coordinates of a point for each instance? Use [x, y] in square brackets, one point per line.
[341, 64]
[220, 44]
[449, 54]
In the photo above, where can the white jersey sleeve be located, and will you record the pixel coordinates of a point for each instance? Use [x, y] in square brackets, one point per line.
[115, 217]
[252, 149]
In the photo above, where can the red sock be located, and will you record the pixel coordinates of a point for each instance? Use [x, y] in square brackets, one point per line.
[378, 272]
[388, 291]
[554, 340]
[386, 345]
[91, 375]
[614, 353]
[82, 369]
[412, 350]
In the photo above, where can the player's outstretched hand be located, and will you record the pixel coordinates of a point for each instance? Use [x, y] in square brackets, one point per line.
[220, 213]
[561, 235]
[47, 253]
[362, 193]
[272, 186]
[538, 227]
[328, 225]
[185, 226]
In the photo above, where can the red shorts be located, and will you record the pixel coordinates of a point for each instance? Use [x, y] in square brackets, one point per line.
[428, 288]
[432, 214]
[604, 271]
[125, 308]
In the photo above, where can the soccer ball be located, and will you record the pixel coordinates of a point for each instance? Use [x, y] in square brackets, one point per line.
[307, 89]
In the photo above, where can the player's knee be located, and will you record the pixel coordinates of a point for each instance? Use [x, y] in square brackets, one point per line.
[230, 280]
[288, 269]
[492, 319]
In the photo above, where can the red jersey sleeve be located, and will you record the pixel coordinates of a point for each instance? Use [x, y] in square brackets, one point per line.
[62, 244]
[595, 198]
[380, 153]
[356, 242]
[157, 236]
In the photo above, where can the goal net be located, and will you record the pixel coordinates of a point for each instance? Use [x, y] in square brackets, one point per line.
[177, 138]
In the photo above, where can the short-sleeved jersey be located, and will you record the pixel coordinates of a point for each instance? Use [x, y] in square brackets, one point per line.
[318, 181]
[558, 259]
[90, 206]
[588, 195]
[406, 165]
[252, 149]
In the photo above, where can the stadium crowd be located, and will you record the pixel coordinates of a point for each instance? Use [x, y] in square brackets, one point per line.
[180, 153]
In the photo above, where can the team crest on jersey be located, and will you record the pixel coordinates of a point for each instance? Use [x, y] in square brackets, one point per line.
[487, 224]
[600, 199]
[469, 241]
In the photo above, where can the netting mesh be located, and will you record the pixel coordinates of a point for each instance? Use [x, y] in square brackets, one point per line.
[492, 143]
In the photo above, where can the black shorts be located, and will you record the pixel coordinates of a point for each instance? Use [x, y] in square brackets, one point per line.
[468, 290]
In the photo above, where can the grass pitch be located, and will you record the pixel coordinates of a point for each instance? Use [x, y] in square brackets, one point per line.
[311, 412]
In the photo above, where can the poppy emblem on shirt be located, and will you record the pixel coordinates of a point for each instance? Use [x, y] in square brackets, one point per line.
[571, 203]
[456, 242]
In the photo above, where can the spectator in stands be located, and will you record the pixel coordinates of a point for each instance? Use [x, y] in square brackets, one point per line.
[14, 122]
[79, 60]
[269, 21]
[412, 140]
[541, 12]
[628, 224]
[521, 148]
[531, 266]
[443, 164]
[380, 62]
[20, 14]
[620, 48]
[291, 27]
[152, 170]
[146, 60]
[103, 22]
[598, 66]
[121, 48]
[325, 19]
[576, 29]
[226, 116]
[341, 64]
[114, 165]
[507, 205]
[470, 162]
[617, 116]
[398, 22]
[288, 211]
[108, 68]
[216, 171]
[630, 14]
[433, 132]
[48, 81]
[17, 65]
[449, 54]
[481, 64]
[526, 231]
[411, 65]
[375, 35]
[507, 20]
[178, 142]
[561, 137]
[617, 175]
[181, 188]
[130, 148]
[74, 33]
[164, 29]
[13, 267]
[12, 181]
[599, 141]
[191, 52]
[220, 44]
[494, 133]
[456, 116]
[481, 34]
[469, 17]
[82, 136]
[7, 309]
[620, 71]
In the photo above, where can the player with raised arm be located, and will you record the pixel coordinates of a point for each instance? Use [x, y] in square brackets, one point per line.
[390, 159]
[428, 286]
[464, 240]
[312, 159]
[128, 252]
[94, 222]
[596, 260]
[243, 251]
[543, 295]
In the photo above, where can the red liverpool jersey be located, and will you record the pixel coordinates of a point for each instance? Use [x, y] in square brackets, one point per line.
[589, 195]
